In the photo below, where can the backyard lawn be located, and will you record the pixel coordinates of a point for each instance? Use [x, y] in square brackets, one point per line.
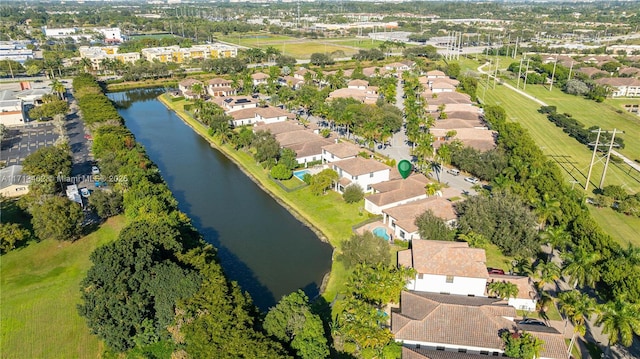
[40, 290]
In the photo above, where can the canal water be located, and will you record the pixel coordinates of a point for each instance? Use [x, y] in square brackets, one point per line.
[260, 245]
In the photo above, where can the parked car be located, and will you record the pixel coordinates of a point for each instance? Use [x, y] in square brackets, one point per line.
[531, 321]
[454, 172]
[95, 170]
[472, 180]
[85, 192]
[495, 271]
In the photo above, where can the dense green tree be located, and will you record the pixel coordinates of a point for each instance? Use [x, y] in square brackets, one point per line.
[434, 228]
[353, 193]
[266, 146]
[521, 345]
[12, 235]
[288, 158]
[322, 181]
[365, 248]
[581, 266]
[319, 59]
[577, 308]
[50, 160]
[280, 172]
[49, 110]
[57, 218]
[503, 219]
[547, 272]
[130, 292]
[106, 203]
[293, 322]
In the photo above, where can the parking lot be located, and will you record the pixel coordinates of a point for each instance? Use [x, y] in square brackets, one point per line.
[22, 141]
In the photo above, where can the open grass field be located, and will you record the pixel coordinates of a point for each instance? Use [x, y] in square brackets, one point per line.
[40, 290]
[151, 36]
[329, 213]
[623, 228]
[591, 113]
[355, 42]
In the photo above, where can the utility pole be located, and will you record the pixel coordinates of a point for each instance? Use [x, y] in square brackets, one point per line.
[553, 74]
[526, 73]
[606, 163]
[495, 75]
[519, 72]
[593, 157]
[515, 52]
[570, 69]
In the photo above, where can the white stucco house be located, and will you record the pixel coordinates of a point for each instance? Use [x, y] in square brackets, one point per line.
[622, 86]
[396, 192]
[259, 78]
[440, 326]
[235, 103]
[219, 87]
[401, 219]
[254, 115]
[339, 151]
[446, 267]
[364, 172]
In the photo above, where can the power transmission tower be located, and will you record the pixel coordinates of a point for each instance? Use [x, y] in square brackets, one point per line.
[608, 156]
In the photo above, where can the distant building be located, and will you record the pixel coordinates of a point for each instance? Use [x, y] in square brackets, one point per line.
[11, 109]
[97, 55]
[13, 182]
[181, 55]
[622, 86]
[15, 51]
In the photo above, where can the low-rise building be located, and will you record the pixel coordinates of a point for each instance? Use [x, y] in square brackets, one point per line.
[259, 78]
[401, 219]
[445, 267]
[15, 51]
[622, 86]
[181, 55]
[97, 55]
[361, 171]
[339, 151]
[396, 192]
[13, 182]
[11, 109]
[219, 87]
[235, 103]
[254, 115]
[527, 297]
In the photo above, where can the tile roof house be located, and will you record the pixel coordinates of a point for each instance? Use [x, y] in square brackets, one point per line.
[368, 95]
[278, 127]
[310, 151]
[629, 72]
[220, 87]
[396, 192]
[441, 86]
[339, 151]
[259, 78]
[480, 139]
[622, 86]
[254, 115]
[460, 100]
[364, 172]
[440, 326]
[401, 219]
[374, 71]
[358, 84]
[235, 103]
[527, 297]
[186, 87]
[436, 74]
[592, 71]
[446, 267]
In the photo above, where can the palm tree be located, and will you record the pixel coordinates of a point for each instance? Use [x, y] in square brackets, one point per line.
[86, 63]
[522, 266]
[580, 266]
[504, 290]
[197, 89]
[432, 188]
[547, 272]
[547, 209]
[58, 88]
[619, 320]
[577, 308]
[437, 168]
[556, 237]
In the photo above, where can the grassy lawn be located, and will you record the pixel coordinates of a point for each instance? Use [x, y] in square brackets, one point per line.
[495, 258]
[572, 156]
[591, 113]
[254, 39]
[40, 290]
[622, 228]
[329, 214]
[356, 42]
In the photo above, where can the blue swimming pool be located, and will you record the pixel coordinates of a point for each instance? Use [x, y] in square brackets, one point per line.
[381, 232]
[300, 174]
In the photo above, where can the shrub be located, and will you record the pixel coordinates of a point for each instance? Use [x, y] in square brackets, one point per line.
[353, 193]
[616, 192]
[281, 172]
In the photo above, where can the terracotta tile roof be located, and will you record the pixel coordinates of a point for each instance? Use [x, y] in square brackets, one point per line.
[279, 127]
[189, 82]
[348, 73]
[358, 83]
[482, 140]
[631, 71]
[448, 98]
[442, 86]
[455, 123]
[452, 320]
[526, 290]
[397, 190]
[591, 71]
[435, 73]
[259, 76]
[310, 148]
[619, 81]
[289, 138]
[554, 344]
[448, 258]
[344, 182]
[473, 113]
[423, 353]
[359, 166]
[371, 71]
[271, 112]
[406, 214]
[358, 94]
[220, 81]
[244, 114]
[343, 149]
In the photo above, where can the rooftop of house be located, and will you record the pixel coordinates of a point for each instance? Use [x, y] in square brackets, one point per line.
[629, 71]
[447, 98]
[309, 148]
[450, 319]
[406, 214]
[424, 353]
[359, 166]
[619, 81]
[444, 258]
[220, 81]
[591, 71]
[343, 149]
[279, 127]
[259, 76]
[189, 82]
[526, 289]
[287, 139]
[358, 83]
[435, 73]
[455, 123]
[473, 113]
[397, 190]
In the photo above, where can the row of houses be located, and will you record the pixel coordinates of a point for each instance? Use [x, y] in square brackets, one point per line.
[176, 54]
[447, 312]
